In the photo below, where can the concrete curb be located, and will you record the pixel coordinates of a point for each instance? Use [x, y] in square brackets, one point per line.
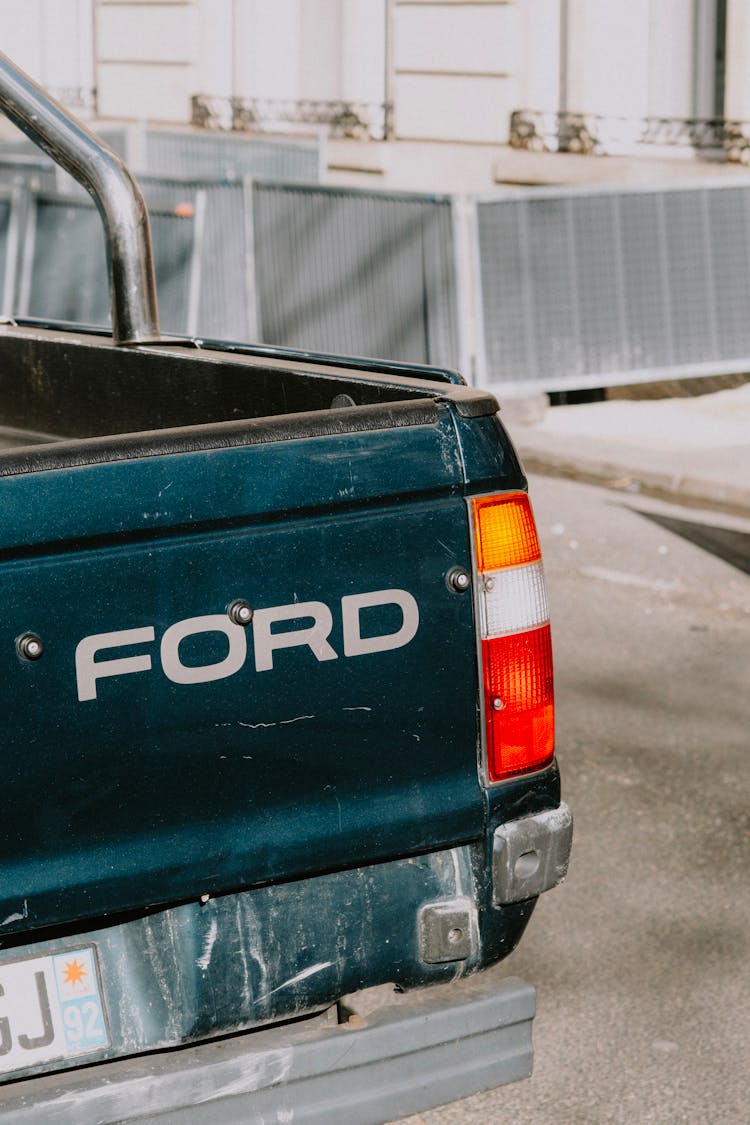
[688, 450]
[619, 474]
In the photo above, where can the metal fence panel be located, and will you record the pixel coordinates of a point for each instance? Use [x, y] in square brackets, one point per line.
[65, 274]
[5, 234]
[550, 240]
[598, 285]
[202, 280]
[225, 308]
[224, 156]
[729, 255]
[591, 287]
[12, 211]
[368, 273]
[33, 172]
[647, 342]
[691, 299]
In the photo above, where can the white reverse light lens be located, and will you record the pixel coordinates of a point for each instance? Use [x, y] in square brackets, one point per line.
[512, 600]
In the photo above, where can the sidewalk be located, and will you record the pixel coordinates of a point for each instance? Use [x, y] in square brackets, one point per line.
[689, 450]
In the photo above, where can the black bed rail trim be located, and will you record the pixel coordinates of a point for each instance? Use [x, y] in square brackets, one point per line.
[264, 351]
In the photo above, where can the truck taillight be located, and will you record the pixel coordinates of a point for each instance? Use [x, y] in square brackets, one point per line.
[515, 633]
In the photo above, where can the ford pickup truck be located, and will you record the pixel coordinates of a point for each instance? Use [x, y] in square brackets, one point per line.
[277, 717]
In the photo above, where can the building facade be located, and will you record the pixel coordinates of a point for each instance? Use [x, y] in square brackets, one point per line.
[580, 75]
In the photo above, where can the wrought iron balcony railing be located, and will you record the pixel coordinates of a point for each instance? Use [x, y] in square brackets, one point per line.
[75, 97]
[360, 120]
[589, 133]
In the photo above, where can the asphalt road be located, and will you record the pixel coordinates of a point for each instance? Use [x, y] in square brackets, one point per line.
[641, 958]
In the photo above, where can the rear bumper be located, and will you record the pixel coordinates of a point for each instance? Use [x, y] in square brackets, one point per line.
[173, 980]
[427, 1048]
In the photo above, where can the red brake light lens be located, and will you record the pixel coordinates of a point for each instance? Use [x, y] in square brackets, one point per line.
[518, 676]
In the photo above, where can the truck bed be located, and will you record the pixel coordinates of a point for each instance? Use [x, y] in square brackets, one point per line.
[61, 387]
[245, 824]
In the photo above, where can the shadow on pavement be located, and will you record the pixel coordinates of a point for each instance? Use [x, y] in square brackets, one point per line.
[723, 542]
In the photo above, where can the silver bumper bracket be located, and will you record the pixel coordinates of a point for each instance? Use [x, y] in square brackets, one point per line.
[531, 855]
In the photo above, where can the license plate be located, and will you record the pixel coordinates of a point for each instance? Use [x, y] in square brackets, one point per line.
[50, 1009]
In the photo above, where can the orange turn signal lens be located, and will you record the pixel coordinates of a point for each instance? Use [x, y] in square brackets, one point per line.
[504, 531]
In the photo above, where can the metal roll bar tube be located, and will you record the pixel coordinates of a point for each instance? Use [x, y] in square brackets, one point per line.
[102, 173]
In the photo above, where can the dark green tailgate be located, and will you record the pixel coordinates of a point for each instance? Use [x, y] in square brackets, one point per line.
[155, 791]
